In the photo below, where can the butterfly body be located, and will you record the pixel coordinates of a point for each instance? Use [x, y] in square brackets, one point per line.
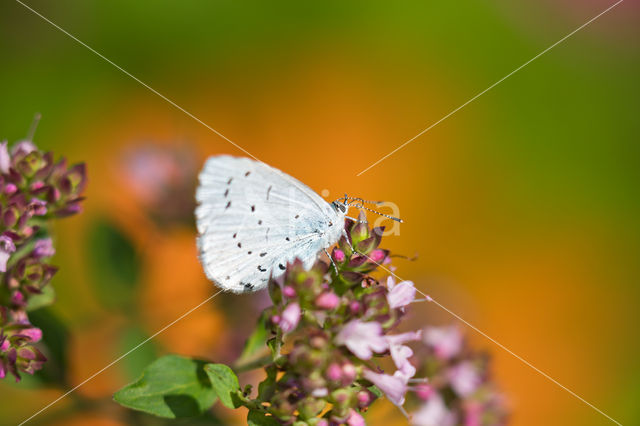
[253, 219]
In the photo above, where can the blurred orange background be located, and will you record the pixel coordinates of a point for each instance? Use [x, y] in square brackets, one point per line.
[523, 206]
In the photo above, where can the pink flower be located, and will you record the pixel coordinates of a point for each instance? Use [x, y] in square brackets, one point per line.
[5, 159]
[44, 248]
[433, 413]
[446, 342]
[355, 419]
[327, 300]
[401, 353]
[362, 338]
[6, 248]
[401, 295]
[290, 317]
[338, 255]
[464, 378]
[394, 387]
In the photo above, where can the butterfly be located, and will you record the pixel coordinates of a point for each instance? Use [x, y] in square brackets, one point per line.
[253, 219]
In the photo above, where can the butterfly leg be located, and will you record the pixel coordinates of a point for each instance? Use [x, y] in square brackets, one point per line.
[356, 220]
[332, 262]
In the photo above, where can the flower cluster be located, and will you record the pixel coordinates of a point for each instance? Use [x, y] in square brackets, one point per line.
[33, 189]
[332, 325]
[459, 389]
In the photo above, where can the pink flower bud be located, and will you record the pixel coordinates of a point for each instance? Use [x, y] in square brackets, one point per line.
[354, 307]
[334, 372]
[289, 292]
[348, 373]
[37, 185]
[364, 398]
[275, 319]
[338, 255]
[355, 419]
[423, 391]
[10, 189]
[377, 255]
[327, 301]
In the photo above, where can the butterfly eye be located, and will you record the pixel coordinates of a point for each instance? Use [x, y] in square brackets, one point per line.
[339, 206]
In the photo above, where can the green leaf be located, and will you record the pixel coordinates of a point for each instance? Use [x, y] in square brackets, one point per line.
[114, 263]
[225, 383]
[171, 387]
[267, 388]
[46, 298]
[143, 356]
[257, 418]
[257, 342]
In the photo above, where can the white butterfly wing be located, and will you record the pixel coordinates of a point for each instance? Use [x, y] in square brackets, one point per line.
[252, 219]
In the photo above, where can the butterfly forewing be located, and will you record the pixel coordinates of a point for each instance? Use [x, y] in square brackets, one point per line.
[252, 219]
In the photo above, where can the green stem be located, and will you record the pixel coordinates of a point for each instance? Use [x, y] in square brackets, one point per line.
[252, 365]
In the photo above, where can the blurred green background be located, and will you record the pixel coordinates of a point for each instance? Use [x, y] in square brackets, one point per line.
[523, 207]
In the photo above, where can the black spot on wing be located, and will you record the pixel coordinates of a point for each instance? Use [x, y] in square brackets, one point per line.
[247, 174]
[261, 269]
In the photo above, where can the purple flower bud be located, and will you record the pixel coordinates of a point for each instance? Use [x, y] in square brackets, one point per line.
[290, 317]
[338, 255]
[276, 319]
[328, 301]
[289, 292]
[355, 307]
[17, 298]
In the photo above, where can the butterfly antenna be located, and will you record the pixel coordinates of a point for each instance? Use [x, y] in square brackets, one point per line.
[360, 206]
[365, 201]
[34, 126]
